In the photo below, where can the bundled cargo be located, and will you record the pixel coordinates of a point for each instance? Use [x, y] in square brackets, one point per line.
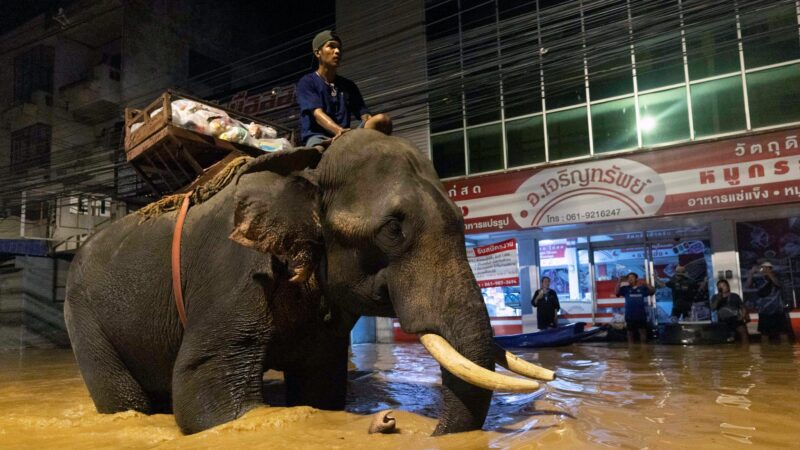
[177, 140]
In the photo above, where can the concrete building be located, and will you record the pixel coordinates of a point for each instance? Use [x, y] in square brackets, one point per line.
[62, 169]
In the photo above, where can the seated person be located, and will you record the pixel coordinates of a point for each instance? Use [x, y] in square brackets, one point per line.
[328, 100]
[730, 309]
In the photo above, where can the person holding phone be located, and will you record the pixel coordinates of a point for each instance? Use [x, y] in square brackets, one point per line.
[730, 310]
[545, 300]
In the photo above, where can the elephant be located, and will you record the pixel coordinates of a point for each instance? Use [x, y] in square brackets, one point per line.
[276, 268]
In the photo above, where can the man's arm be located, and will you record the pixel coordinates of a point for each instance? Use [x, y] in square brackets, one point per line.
[329, 124]
[715, 301]
[774, 279]
[750, 273]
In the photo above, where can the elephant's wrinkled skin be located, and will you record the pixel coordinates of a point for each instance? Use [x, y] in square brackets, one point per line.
[370, 224]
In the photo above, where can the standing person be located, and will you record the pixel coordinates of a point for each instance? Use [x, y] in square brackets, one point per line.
[771, 314]
[730, 310]
[328, 100]
[684, 291]
[635, 293]
[545, 300]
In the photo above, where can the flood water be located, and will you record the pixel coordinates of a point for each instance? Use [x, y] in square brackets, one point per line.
[605, 395]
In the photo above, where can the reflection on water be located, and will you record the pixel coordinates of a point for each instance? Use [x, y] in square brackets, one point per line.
[605, 394]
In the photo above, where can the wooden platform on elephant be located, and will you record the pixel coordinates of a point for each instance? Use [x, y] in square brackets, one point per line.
[170, 158]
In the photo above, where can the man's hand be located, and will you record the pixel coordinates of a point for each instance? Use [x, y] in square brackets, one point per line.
[339, 134]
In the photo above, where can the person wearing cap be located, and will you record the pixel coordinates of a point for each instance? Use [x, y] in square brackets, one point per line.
[771, 313]
[328, 100]
[684, 291]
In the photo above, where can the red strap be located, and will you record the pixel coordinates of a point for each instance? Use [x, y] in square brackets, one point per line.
[176, 260]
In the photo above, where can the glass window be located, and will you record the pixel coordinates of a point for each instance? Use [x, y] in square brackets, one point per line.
[614, 125]
[568, 134]
[664, 116]
[657, 44]
[712, 47]
[525, 140]
[769, 34]
[30, 147]
[485, 148]
[482, 96]
[607, 26]
[563, 61]
[718, 106]
[445, 93]
[568, 269]
[33, 71]
[773, 95]
[519, 44]
[479, 41]
[522, 92]
[445, 107]
[775, 241]
[447, 153]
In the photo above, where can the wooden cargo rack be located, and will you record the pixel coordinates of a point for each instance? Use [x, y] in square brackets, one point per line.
[170, 158]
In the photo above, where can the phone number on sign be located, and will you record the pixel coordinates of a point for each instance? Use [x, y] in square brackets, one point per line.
[583, 216]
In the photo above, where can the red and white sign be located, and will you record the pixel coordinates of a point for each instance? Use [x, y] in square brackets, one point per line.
[745, 171]
[495, 264]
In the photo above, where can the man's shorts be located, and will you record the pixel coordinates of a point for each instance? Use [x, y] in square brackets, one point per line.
[633, 325]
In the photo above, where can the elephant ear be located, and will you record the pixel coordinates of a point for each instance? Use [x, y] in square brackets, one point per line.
[276, 209]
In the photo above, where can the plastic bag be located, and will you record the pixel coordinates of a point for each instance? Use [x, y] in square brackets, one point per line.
[273, 145]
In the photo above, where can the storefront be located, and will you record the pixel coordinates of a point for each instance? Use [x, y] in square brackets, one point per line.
[717, 208]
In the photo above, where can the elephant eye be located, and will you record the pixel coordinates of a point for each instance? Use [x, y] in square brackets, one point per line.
[392, 232]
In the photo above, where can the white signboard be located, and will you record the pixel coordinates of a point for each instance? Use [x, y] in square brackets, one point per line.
[495, 264]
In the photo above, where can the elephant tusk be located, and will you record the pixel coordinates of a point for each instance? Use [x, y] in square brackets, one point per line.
[519, 366]
[470, 372]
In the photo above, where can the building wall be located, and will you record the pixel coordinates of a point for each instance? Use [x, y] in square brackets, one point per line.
[32, 303]
[384, 54]
[151, 43]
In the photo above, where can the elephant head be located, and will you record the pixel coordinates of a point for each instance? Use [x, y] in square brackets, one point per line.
[371, 217]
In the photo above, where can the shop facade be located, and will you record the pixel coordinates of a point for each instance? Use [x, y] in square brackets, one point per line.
[717, 208]
[612, 137]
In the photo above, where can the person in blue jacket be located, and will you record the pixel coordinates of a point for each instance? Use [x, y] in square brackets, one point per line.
[635, 292]
[328, 100]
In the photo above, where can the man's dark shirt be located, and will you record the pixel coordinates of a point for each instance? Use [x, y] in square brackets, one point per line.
[684, 290]
[634, 301]
[546, 308]
[313, 92]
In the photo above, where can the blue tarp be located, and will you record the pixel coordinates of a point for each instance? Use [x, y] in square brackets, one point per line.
[27, 247]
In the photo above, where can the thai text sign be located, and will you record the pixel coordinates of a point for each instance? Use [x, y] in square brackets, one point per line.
[745, 171]
[495, 264]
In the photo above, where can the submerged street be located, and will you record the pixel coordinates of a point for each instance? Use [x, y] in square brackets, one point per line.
[650, 396]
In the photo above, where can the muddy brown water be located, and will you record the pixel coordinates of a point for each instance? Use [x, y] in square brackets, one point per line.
[605, 395]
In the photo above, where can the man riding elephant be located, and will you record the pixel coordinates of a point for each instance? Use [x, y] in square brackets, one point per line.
[275, 269]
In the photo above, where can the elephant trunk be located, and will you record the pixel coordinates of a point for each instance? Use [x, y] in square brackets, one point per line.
[453, 324]
[465, 405]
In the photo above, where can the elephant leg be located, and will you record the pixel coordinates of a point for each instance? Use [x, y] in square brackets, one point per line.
[111, 385]
[322, 385]
[217, 377]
